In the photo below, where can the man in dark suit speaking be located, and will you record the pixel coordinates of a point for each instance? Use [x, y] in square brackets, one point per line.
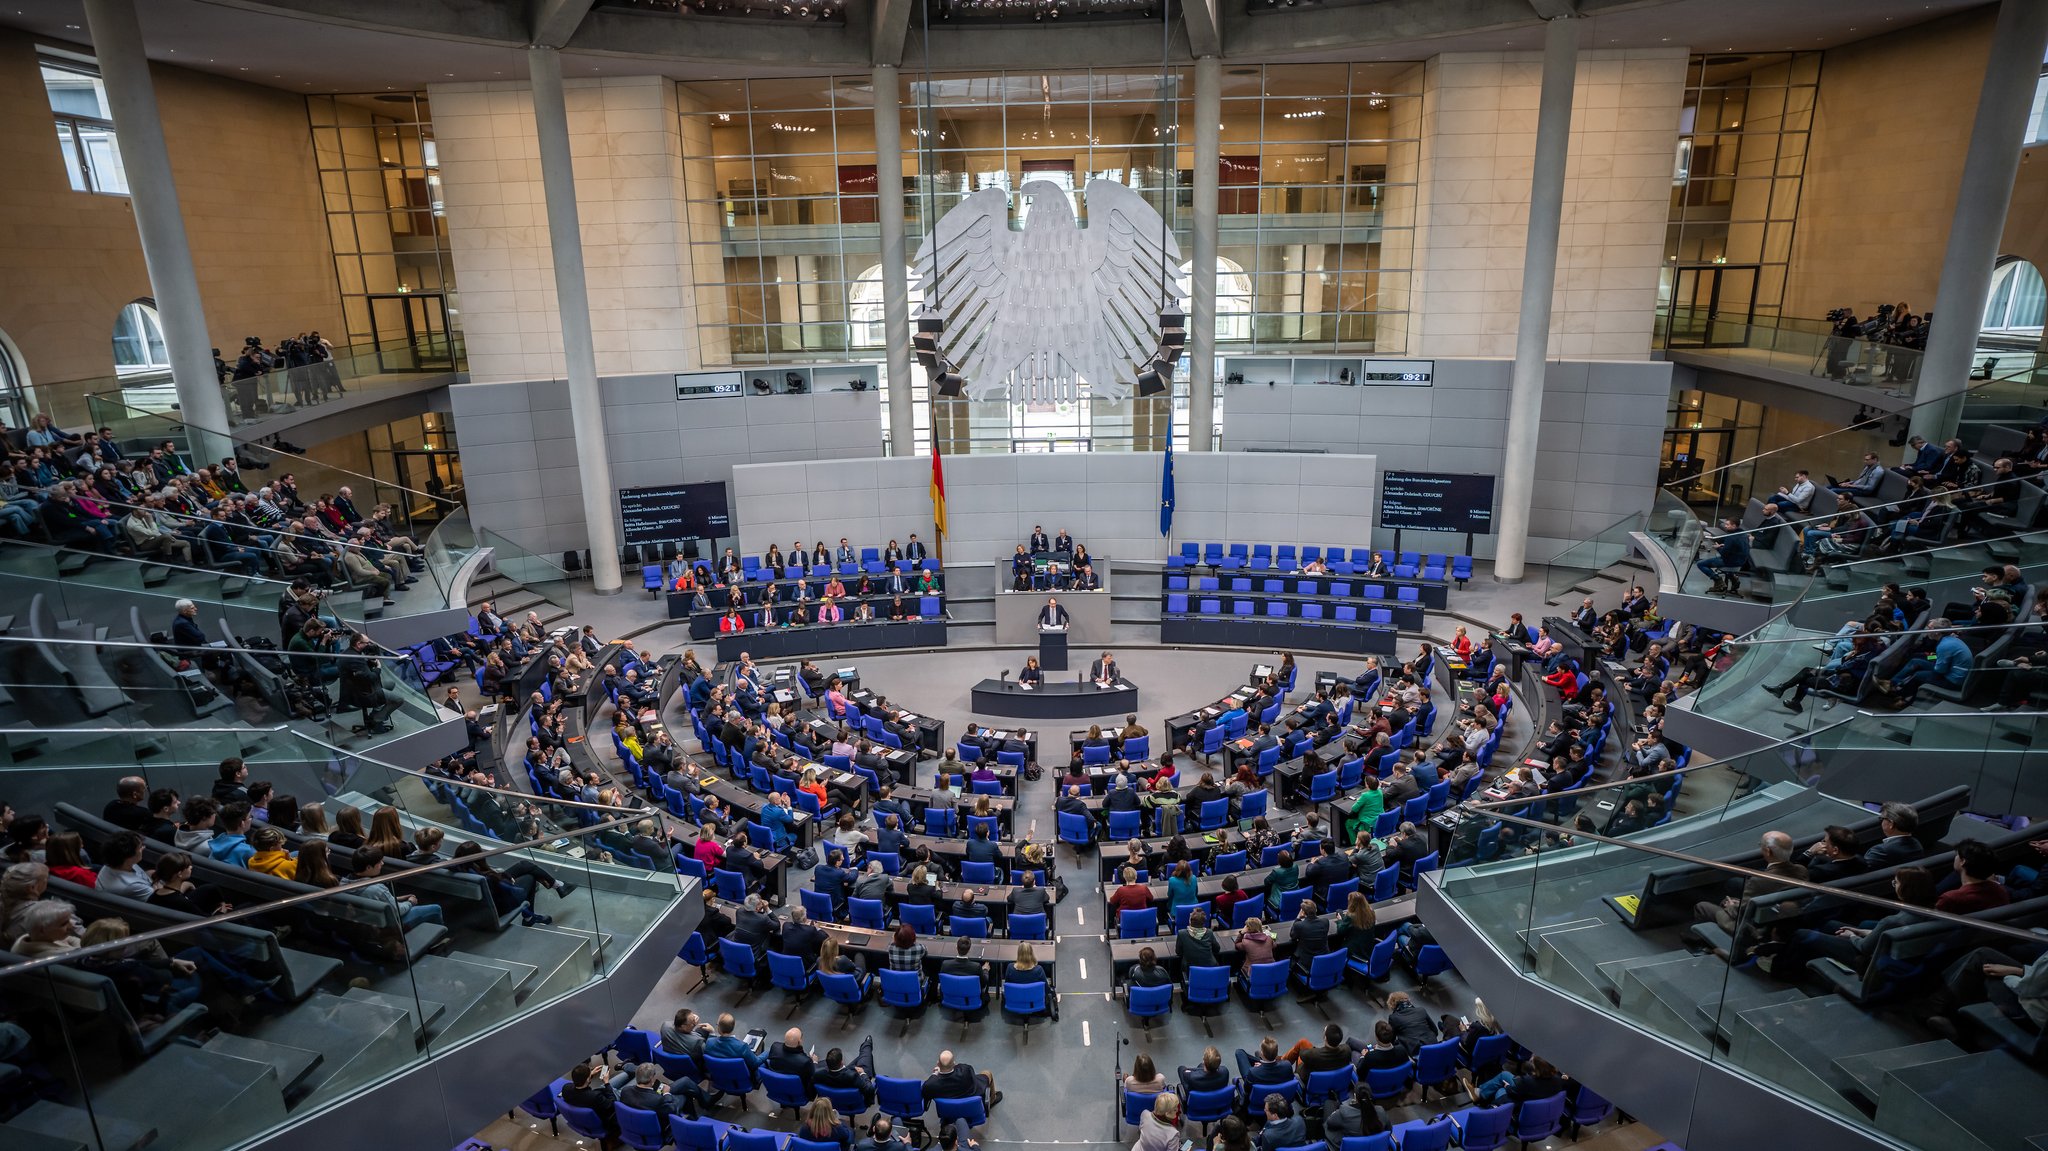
[1052, 614]
[1103, 670]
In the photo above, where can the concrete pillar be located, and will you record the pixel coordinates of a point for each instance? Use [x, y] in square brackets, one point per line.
[153, 196]
[572, 300]
[890, 211]
[1539, 279]
[1202, 308]
[1989, 168]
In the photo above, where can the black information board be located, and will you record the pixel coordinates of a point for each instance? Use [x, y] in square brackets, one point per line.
[674, 512]
[1436, 502]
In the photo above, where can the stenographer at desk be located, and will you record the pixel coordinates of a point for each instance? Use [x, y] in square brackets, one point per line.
[1031, 676]
[1103, 672]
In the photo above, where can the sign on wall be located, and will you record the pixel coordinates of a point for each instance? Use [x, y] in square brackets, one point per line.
[673, 512]
[1437, 502]
[1401, 373]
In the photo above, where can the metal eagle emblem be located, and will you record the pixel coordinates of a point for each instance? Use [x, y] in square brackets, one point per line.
[1052, 312]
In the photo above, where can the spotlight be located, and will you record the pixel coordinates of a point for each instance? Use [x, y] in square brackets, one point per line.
[761, 386]
[1173, 329]
[859, 385]
[793, 383]
[1150, 383]
[948, 384]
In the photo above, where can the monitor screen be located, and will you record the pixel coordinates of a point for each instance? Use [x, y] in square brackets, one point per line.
[674, 512]
[1437, 502]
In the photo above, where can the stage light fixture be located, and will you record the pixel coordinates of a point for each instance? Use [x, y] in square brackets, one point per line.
[761, 386]
[949, 384]
[1173, 329]
[794, 383]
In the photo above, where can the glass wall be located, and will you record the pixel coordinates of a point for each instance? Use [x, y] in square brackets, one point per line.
[1734, 192]
[380, 177]
[780, 177]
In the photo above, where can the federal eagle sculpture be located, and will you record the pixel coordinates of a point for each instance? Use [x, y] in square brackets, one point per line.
[1052, 312]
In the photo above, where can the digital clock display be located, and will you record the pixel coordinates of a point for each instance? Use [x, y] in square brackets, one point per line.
[697, 384]
[1401, 373]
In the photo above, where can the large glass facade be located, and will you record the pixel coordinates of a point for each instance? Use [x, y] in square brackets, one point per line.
[786, 253]
[381, 181]
[1735, 187]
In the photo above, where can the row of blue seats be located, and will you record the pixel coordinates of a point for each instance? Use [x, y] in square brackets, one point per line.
[1177, 604]
[1336, 589]
[1289, 558]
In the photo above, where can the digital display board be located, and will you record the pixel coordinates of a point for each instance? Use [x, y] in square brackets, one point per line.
[674, 512]
[1437, 502]
[1400, 373]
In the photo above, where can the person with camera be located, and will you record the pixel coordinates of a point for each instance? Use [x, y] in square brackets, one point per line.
[1841, 342]
[248, 369]
[312, 652]
[362, 685]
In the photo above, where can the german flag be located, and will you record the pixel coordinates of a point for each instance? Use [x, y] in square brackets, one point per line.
[938, 496]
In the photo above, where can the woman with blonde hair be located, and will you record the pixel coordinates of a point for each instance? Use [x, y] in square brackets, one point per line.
[820, 1124]
[1027, 969]
[312, 822]
[1159, 1128]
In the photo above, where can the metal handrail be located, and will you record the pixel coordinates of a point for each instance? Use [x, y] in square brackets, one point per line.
[127, 944]
[1880, 418]
[287, 729]
[1830, 637]
[1734, 869]
[51, 641]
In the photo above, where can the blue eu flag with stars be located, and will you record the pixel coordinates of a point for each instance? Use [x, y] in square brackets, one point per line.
[1166, 477]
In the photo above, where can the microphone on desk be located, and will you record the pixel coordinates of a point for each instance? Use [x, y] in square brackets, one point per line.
[1006, 679]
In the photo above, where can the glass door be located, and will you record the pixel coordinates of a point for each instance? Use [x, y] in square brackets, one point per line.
[435, 471]
[410, 331]
[1712, 305]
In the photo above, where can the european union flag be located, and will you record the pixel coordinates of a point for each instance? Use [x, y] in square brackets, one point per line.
[1166, 477]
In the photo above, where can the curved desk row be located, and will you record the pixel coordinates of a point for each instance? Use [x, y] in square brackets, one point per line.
[1050, 700]
[829, 638]
[1272, 634]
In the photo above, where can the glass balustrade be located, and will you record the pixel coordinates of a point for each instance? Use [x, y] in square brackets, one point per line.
[1816, 620]
[355, 371]
[57, 674]
[92, 586]
[412, 510]
[401, 578]
[1836, 994]
[257, 1000]
[536, 573]
[1594, 554]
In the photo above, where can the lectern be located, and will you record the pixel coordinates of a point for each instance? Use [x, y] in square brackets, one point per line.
[1052, 649]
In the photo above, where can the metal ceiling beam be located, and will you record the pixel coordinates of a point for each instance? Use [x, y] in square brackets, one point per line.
[1205, 30]
[555, 21]
[888, 24]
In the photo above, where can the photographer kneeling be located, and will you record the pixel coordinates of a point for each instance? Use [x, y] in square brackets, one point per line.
[362, 685]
